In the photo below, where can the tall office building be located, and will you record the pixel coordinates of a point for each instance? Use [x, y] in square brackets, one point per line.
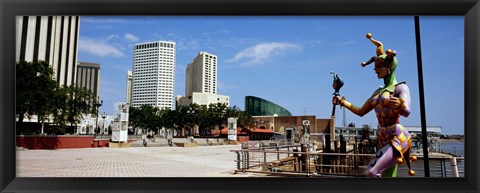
[53, 39]
[88, 77]
[128, 98]
[201, 82]
[154, 74]
[202, 74]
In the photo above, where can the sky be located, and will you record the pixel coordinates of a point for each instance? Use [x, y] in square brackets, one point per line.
[288, 59]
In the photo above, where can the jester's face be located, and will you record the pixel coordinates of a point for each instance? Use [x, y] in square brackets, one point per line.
[383, 66]
[382, 72]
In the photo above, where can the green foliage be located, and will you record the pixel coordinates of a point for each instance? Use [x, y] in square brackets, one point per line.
[148, 117]
[35, 89]
[206, 118]
[71, 103]
[39, 94]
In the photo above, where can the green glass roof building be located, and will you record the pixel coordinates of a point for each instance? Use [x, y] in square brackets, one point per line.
[256, 106]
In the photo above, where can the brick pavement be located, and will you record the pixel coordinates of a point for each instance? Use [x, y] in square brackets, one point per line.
[201, 161]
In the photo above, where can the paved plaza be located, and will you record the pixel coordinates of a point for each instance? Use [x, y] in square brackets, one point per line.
[201, 161]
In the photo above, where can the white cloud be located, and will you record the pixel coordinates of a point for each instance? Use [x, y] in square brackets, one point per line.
[347, 43]
[100, 20]
[223, 86]
[259, 53]
[131, 37]
[99, 48]
[113, 36]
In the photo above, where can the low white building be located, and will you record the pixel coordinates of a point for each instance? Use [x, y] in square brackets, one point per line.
[87, 125]
[203, 99]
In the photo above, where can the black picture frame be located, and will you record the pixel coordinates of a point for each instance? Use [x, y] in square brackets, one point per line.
[470, 9]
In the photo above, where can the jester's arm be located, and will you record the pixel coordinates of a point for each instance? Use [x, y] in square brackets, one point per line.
[360, 111]
[403, 93]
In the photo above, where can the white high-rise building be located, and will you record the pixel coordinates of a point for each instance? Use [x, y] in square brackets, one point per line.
[153, 78]
[53, 39]
[201, 82]
[202, 74]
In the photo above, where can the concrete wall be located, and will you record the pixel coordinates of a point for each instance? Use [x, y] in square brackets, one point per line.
[54, 141]
[61, 141]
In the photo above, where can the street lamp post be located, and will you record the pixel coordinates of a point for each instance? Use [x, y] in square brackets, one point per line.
[98, 105]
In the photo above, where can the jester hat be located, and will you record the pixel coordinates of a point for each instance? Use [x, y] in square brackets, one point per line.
[384, 59]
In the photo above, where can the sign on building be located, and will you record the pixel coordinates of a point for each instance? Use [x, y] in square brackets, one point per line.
[306, 122]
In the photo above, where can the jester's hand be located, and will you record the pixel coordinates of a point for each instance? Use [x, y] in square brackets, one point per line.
[336, 100]
[397, 103]
[394, 102]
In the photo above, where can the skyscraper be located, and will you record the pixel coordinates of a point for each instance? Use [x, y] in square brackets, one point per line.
[53, 39]
[201, 82]
[153, 80]
[202, 74]
[88, 76]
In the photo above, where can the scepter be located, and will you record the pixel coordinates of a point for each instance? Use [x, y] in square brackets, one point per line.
[337, 85]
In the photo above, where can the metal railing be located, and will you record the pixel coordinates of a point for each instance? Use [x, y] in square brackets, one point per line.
[291, 162]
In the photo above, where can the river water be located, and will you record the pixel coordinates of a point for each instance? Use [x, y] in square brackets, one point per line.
[456, 148]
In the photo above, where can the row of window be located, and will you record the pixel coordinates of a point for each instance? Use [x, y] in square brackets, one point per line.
[143, 76]
[155, 45]
[154, 52]
[149, 89]
[153, 62]
[160, 97]
[154, 56]
[152, 102]
[153, 71]
[143, 73]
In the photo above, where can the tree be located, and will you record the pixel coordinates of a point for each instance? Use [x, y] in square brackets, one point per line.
[145, 117]
[135, 117]
[218, 112]
[35, 89]
[71, 103]
[167, 117]
[244, 120]
[351, 125]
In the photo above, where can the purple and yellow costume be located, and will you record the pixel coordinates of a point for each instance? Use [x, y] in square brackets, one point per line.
[389, 102]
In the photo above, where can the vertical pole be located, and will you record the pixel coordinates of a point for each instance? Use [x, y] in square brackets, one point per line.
[453, 164]
[278, 153]
[422, 98]
[264, 156]
[238, 160]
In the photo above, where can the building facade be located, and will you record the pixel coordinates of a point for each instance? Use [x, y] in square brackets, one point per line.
[128, 98]
[53, 39]
[203, 99]
[88, 77]
[256, 106]
[201, 82]
[153, 76]
[202, 75]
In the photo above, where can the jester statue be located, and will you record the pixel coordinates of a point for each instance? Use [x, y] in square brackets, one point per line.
[389, 102]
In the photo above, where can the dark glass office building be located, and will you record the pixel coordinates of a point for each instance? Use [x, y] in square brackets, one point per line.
[256, 106]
